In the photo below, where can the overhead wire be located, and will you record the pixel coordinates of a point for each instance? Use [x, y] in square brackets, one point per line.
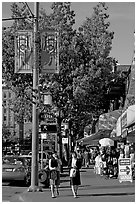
[29, 9]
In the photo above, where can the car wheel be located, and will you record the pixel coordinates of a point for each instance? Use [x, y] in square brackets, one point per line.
[44, 178]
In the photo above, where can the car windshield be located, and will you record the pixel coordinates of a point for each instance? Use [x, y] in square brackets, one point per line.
[12, 160]
[45, 156]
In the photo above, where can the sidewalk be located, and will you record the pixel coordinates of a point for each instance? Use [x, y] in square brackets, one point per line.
[94, 188]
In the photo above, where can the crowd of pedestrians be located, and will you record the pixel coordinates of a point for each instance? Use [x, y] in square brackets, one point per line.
[104, 159]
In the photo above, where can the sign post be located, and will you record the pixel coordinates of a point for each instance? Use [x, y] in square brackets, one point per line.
[125, 171]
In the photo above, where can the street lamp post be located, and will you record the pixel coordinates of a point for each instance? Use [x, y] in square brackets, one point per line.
[34, 165]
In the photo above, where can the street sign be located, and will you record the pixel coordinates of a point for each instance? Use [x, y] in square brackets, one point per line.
[23, 51]
[44, 136]
[49, 118]
[125, 171]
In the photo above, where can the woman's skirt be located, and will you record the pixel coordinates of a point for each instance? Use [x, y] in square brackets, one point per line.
[55, 181]
[75, 180]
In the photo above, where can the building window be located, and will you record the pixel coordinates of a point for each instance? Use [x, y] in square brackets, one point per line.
[4, 95]
[4, 102]
[9, 94]
[5, 110]
[11, 119]
[5, 118]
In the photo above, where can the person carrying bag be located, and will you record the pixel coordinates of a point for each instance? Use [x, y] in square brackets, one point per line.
[72, 172]
[74, 165]
[54, 173]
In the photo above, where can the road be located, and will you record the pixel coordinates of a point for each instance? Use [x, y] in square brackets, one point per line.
[9, 190]
[94, 188]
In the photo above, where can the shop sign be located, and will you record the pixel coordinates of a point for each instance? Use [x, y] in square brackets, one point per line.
[125, 171]
[49, 136]
[64, 140]
[49, 119]
[131, 129]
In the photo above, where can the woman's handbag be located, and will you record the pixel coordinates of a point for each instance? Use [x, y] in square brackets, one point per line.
[72, 172]
[53, 174]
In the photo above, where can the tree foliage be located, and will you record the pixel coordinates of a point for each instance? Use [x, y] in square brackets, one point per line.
[95, 71]
[19, 83]
[79, 90]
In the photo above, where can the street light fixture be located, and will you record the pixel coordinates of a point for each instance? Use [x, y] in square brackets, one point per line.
[47, 98]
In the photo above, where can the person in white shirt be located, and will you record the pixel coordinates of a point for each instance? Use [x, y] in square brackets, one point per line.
[98, 163]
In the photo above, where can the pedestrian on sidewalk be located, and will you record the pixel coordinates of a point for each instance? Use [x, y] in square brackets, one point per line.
[54, 166]
[86, 158]
[98, 164]
[74, 165]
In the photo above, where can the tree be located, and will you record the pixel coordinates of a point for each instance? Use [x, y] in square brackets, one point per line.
[62, 20]
[94, 71]
[20, 84]
[7, 138]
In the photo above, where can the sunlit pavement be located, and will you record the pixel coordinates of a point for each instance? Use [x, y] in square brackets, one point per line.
[94, 188]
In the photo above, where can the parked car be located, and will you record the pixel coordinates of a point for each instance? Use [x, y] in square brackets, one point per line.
[45, 156]
[10, 154]
[16, 168]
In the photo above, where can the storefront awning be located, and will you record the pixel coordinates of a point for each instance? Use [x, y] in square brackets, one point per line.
[131, 137]
[108, 120]
[94, 138]
[131, 115]
[125, 120]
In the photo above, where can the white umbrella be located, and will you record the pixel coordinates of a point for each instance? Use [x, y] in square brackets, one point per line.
[106, 142]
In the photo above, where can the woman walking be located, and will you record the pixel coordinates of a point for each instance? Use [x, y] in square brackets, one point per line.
[54, 166]
[74, 165]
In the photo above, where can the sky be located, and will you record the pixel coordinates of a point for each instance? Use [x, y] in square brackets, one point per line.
[121, 18]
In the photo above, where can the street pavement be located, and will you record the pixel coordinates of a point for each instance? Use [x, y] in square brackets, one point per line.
[94, 188]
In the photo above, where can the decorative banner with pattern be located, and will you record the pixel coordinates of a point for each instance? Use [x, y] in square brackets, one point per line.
[23, 51]
[50, 52]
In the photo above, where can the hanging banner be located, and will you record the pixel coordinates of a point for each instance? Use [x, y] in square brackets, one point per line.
[23, 51]
[50, 52]
[125, 171]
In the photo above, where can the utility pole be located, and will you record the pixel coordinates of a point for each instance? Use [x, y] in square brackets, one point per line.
[34, 164]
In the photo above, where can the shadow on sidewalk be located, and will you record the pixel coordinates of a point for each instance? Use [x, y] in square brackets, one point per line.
[64, 181]
[87, 187]
[107, 194]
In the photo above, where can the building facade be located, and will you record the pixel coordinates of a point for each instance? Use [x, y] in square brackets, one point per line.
[8, 116]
